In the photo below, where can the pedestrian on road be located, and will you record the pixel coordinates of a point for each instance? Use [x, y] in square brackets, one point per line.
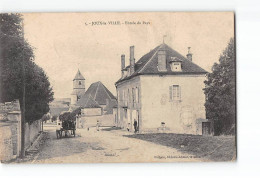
[58, 129]
[135, 126]
[97, 126]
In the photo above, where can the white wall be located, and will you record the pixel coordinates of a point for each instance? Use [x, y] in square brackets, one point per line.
[126, 102]
[157, 107]
[91, 112]
[77, 85]
[91, 121]
[31, 132]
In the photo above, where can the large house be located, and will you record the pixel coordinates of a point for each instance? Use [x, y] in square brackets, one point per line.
[162, 90]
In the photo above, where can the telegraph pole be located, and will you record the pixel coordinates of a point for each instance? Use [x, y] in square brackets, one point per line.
[23, 101]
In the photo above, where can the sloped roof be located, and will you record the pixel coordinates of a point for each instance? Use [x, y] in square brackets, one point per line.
[98, 92]
[89, 102]
[79, 76]
[147, 64]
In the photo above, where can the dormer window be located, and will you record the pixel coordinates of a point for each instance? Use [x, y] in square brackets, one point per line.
[79, 82]
[175, 64]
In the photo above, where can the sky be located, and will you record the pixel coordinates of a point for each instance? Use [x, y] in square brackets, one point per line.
[66, 42]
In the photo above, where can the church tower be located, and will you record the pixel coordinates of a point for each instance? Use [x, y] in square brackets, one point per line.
[78, 87]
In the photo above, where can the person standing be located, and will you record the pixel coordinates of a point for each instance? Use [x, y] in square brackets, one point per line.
[58, 129]
[98, 124]
[135, 126]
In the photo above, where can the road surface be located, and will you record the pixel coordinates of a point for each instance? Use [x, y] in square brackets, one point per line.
[104, 146]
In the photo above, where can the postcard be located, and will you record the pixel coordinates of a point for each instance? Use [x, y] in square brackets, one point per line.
[107, 87]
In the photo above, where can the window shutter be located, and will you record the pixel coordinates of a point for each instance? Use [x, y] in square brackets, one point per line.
[170, 93]
[137, 94]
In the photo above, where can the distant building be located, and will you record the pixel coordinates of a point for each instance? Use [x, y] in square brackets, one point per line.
[97, 100]
[162, 90]
[78, 88]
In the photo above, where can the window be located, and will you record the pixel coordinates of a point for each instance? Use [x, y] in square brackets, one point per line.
[125, 113]
[175, 64]
[79, 82]
[133, 95]
[129, 96]
[175, 93]
[137, 94]
[123, 97]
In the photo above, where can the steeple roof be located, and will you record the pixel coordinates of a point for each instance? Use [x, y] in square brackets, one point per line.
[79, 76]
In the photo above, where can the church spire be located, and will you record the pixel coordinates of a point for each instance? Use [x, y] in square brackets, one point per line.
[79, 76]
[78, 87]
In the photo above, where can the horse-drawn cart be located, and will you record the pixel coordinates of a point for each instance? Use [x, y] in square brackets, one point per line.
[67, 123]
[66, 126]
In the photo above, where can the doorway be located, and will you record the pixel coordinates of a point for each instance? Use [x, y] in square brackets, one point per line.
[206, 128]
[138, 120]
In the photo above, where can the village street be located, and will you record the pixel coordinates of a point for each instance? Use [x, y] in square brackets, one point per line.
[103, 146]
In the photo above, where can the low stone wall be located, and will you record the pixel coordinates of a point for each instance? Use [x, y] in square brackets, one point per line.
[6, 145]
[10, 145]
[31, 132]
[10, 130]
[91, 121]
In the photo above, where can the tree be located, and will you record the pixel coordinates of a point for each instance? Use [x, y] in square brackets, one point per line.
[221, 92]
[54, 118]
[16, 53]
[64, 116]
[46, 117]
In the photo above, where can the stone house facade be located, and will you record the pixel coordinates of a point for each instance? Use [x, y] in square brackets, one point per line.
[161, 91]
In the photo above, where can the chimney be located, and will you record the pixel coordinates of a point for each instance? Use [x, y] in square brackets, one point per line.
[162, 59]
[189, 55]
[122, 61]
[132, 60]
[122, 64]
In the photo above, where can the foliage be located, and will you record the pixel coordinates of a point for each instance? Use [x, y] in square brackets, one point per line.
[64, 116]
[16, 53]
[46, 117]
[221, 92]
[70, 115]
[54, 118]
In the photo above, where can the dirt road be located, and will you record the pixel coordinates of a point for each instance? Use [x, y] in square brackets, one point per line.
[104, 146]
